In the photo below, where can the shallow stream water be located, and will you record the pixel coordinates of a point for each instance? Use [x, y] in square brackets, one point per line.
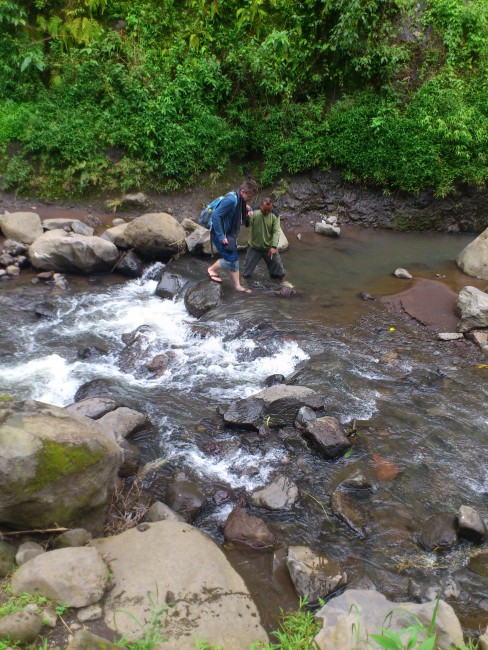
[423, 414]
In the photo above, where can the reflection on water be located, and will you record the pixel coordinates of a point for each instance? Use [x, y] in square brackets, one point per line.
[421, 412]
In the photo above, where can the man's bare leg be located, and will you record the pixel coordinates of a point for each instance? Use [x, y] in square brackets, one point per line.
[236, 283]
[213, 271]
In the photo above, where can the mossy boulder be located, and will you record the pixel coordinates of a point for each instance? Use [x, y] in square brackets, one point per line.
[55, 467]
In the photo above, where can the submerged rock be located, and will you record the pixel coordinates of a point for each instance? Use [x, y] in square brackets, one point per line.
[313, 574]
[246, 530]
[438, 532]
[279, 494]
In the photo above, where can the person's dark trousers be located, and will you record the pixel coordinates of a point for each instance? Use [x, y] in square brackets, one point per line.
[253, 255]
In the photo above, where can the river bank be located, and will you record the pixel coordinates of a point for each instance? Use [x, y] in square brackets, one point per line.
[301, 199]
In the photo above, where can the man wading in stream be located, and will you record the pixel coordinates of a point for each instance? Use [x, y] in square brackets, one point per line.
[263, 242]
[226, 223]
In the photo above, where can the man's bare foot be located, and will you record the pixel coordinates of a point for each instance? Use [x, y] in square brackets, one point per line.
[243, 290]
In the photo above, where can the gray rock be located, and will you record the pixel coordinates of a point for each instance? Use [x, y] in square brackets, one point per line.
[161, 512]
[480, 337]
[472, 304]
[403, 274]
[59, 223]
[438, 532]
[21, 627]
[327, 229]
[248, 531]
[246, 413]
[123, 422]
[470, 525]
[473, 259]
[86, 640]
[313, 575]
[93, 407]
[136, 200]
[351, 511]
[90, 613]
[155, 236]
[73, 538]
[349, 619]
[15, 248]
[54, 467]
[450, 336]
[202, 298]
[13, 270]
[279, 494]
[178, 561]
[130, 265]
[198, 242]
[67, 252]
[170, 285]
[76, 577]
[116, 235]
[185, 497]
[304, 416]
[24, 227]
[81, 228]
[27, 551]
[327, 435]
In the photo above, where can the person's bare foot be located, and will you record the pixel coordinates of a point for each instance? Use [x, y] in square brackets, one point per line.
[243, 290]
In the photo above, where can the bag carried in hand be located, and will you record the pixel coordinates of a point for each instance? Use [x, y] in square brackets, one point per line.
[205, 218]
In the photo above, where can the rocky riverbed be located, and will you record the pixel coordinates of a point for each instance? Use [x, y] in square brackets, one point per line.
[343, 462]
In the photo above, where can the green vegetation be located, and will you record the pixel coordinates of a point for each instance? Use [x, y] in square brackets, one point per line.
[124, 94]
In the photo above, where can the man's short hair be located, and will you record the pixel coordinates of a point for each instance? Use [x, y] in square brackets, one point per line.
[267, 200]
[250, 186]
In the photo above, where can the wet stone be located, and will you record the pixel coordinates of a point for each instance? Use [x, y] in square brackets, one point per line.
[249, 531]
[246, 413]
[279, 494]
[470, 525]
[351, 511]
[326, 434]
[438, 532]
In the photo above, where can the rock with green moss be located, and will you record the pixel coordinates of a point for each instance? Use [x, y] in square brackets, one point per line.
[55, 468]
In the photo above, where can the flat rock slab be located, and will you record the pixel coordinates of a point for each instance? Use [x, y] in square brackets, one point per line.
[174, 561]
[430, 303]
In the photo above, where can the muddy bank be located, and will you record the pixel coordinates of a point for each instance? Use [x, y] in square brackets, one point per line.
[301, 199]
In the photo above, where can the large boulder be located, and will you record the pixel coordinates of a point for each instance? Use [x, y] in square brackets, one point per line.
[57, 250]
[116, 235]
[473, 259]
[472, 305]
[76, 577]
[172, 561]
[349, 620]
[54, 467]
[155, 236]
[24, 227]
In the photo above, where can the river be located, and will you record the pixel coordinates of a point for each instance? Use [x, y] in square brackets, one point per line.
[424, 412]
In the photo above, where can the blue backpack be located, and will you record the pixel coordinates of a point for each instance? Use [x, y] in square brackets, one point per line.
[205, 218]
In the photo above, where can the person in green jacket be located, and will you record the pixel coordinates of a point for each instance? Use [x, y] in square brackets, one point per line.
[263, 242]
